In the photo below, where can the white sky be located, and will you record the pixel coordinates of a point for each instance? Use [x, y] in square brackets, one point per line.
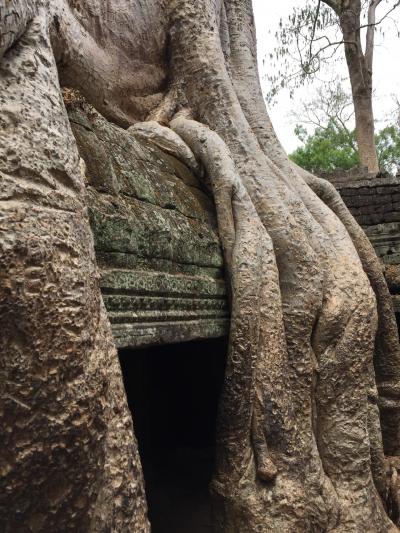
[386, 67]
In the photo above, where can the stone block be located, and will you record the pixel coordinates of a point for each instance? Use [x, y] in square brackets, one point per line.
[156, 238]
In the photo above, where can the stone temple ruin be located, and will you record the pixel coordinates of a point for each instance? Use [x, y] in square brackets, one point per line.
[147, 208]
[374, 201]
[162, 281]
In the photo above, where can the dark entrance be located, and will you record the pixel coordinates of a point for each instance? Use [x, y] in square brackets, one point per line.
[173, 392]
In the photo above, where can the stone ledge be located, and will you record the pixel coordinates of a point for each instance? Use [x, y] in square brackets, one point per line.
[150, 308]
[370, 182]
[359, 178]
[160, 284]
[152, 334]
[156, 240]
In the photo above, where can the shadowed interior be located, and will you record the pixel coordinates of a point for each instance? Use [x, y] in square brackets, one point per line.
[173, 392]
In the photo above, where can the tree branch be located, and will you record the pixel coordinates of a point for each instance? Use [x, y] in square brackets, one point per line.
[314, 26]
[382, 18]
[332, 4]
[323, 48]
[369, 44]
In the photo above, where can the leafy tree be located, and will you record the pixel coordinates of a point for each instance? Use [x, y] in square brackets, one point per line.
[387, 143]
[326, 149]
[313, 33]
[333, 147]
[333, 143]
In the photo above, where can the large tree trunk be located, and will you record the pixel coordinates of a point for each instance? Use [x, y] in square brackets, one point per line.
[360, 73]
[365, 130]
[299, 436]
[69, 459]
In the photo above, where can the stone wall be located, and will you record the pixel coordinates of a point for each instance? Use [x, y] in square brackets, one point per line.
[155, 237]
[375, 203]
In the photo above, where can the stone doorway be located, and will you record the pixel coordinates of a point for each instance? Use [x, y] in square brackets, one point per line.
[173, 391]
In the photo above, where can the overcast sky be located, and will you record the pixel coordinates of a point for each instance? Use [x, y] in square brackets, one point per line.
[386, 67]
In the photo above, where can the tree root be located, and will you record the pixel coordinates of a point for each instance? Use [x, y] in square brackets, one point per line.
[167, 140]
[69, 458]
[298, 402]
[239, 234]
[325, 300]
[167, 108]
[387, 351]
[214, 154]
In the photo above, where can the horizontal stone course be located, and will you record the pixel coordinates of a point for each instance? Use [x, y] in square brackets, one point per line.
[374, 201]
[155, 236]
[139, 335]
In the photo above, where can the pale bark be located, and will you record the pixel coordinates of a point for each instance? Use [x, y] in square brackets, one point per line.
[253, 277]
[15, 15]
[299, 437]
[365, 128]
[69, 459]
[100, 50]
[325, 260]
[387, 352]
[359, 65]
[360, 68]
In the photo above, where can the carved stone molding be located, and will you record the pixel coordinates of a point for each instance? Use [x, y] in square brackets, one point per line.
[155, 237]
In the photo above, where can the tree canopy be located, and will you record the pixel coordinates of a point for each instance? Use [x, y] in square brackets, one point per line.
[326, 149]
[311, 36]
[325, 127]
[332, 147]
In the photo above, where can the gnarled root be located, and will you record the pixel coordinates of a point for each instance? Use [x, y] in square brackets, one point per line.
[234, 441]
[168, 141]
[69, 457]
[387, 351]
[248, 252]
[327, 309]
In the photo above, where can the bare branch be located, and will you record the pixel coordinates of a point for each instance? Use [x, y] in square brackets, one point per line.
[314, 26]
[369, 45]
[335, 44]
[397, 4]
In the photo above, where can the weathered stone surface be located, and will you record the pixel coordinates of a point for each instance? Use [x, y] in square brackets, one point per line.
[354, 177]
[155, 237]
[374, 201]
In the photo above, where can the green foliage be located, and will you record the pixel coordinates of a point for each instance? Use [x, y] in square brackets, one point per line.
[388, 148]
[326, 149]
[334, 147]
